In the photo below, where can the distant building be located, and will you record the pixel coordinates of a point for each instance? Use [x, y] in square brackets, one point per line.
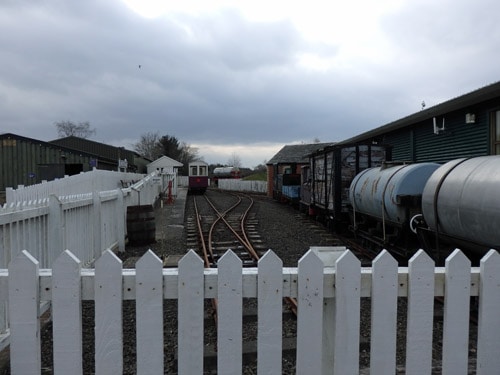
[27, 161]
[289, 160]
[164, 164]
[123, 159]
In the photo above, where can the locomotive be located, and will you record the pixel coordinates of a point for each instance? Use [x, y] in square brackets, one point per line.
[432, 206]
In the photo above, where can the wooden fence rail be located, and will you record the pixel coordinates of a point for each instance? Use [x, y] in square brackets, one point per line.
[328, 322]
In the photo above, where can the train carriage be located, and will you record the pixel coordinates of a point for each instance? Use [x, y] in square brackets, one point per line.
[329, 176]
[198, 177]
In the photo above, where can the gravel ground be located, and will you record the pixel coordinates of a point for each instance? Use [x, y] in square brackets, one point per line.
[283, 230]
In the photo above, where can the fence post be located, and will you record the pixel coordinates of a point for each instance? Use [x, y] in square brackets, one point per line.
[55, 232]
[96, 212]
[121, 216]
[9, 195]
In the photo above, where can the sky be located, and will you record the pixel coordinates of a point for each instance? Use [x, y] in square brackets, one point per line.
[237, 78]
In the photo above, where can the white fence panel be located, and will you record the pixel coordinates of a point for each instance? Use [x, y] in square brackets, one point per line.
[242, 185]
[25, 286]
[85, 182]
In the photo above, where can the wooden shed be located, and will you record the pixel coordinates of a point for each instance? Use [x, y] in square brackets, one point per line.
[164, 164]
[289, 161]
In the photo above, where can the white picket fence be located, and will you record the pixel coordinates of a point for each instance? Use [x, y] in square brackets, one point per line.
[83, 183]
[328, 292]
[86, 223]
[242, 185]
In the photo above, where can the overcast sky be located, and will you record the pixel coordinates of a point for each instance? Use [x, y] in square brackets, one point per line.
[237, 77]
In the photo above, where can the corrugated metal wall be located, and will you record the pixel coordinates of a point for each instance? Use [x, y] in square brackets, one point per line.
[23, 161]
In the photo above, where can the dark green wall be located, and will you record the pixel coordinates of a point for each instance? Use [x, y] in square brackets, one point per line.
[418, 143]
[24, 161]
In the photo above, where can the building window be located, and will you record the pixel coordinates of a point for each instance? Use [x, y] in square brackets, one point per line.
[496, 132]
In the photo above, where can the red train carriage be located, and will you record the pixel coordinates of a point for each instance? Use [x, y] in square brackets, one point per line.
[198, 177]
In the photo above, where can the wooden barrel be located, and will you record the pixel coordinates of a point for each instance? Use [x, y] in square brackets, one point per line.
[141, 226]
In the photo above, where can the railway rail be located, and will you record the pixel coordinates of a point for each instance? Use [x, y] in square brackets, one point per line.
[229, 226]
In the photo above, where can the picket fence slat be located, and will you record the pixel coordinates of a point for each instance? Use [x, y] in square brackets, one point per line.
[310, 319]
[108, 315]
[384, 314]
[347, 314]
[149, 314]
[67, 314]
[24, 313]
[230, 309]
[269, 311]
[420, 314]
[456, 315]
[488, 348]
[190, 314]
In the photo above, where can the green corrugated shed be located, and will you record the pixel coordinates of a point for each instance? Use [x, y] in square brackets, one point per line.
[413, 138]
[27, 161]
[136, 163]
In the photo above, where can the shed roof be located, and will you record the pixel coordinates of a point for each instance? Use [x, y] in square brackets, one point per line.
[165, 161]
[98, 148]
[471, 99]
[297, 153]
[49, 145]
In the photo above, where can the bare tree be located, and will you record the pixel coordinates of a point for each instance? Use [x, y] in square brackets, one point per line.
[149, 146]
[234, 160]
[69, 128]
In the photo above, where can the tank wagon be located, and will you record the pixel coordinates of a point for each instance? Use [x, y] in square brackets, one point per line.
[384, 199]
[225, 172]
[456, 204]
[198, 177]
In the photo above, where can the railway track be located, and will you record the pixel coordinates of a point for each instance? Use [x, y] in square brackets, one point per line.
[228, 230]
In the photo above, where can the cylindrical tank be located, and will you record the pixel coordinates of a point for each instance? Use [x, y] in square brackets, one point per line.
[384, 192]
[225, 170]
[464, 194]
